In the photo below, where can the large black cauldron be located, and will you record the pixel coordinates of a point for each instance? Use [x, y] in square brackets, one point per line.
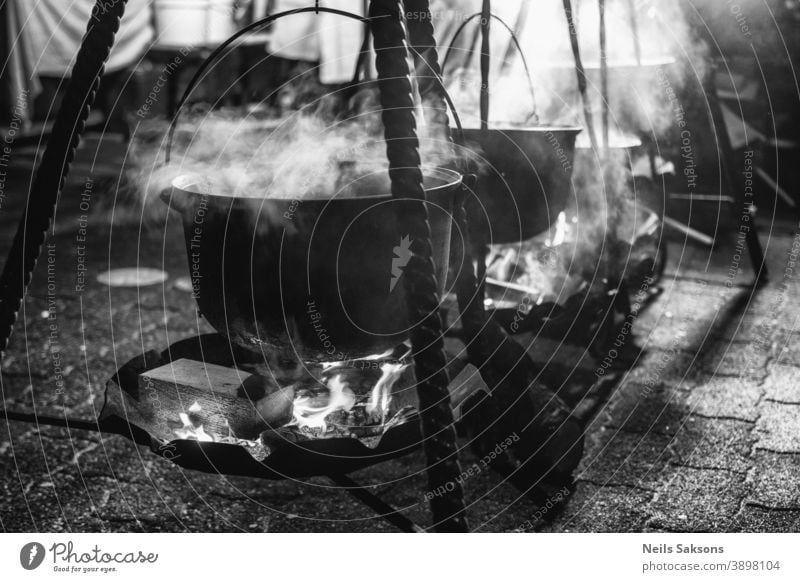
[318, 277]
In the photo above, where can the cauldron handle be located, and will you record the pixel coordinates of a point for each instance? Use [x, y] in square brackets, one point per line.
[258, 25]
[252, 27]
[514, 39]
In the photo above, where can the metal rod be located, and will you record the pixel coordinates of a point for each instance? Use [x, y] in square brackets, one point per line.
[685, 229]
[701, 197]
[633, 20]
[513, 286]
[519, 28]
[486, 60]
[580, 71]
[777, 187]
[603, 73]
[64, 422]
[422, 302]
[473, 43]
[378, 505]
[51, 175]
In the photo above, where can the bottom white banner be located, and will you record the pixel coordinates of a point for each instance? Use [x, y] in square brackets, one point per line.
[390, 557]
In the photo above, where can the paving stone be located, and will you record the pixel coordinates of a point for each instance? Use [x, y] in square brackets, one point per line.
[657, 332]
[676, 367]
[739, 359]
[724, 397]
[773, 481]
[661, 337]
[769, 338]
[758, 519]
[673, 322]
[714, 444]
[787, 346]
[643, 409]
[778, 427]
[769, 301]
[593, 508]
[707, 297]
[623, 458]
[698, 500]
[776, 299]
[739, 326]
[783, 384]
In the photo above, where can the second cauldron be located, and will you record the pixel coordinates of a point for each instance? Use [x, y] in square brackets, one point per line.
[525, 183]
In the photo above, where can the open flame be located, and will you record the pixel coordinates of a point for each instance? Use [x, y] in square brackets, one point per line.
[310, 411]
[346, 401]
[341, 399]
[193, 429]
[381, 395]
[190, 430]
[538, 270]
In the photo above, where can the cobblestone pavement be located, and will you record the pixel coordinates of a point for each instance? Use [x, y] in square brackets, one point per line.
[703, 434]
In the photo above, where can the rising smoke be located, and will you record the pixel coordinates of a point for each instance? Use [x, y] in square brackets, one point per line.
[651, 53]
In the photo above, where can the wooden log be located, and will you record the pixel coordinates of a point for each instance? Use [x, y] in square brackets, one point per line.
[190, 398]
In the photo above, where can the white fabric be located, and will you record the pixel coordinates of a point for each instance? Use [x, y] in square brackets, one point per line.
[22, 83]
[332, 40]
[55, 29]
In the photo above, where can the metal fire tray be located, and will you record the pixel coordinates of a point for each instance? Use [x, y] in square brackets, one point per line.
[127, 409]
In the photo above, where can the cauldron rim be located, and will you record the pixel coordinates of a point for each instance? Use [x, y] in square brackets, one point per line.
[593, 65]
[447, 178]
[626, 141]
[510, 128]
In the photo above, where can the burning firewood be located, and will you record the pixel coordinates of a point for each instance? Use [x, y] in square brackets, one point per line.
[209, 402]
[273, 403]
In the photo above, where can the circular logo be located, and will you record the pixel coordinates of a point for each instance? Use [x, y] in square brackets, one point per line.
[31, 555]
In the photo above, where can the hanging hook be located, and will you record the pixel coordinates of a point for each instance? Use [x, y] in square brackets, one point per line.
[316, 6]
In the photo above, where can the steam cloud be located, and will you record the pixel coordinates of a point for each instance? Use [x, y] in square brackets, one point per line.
[298, 156]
